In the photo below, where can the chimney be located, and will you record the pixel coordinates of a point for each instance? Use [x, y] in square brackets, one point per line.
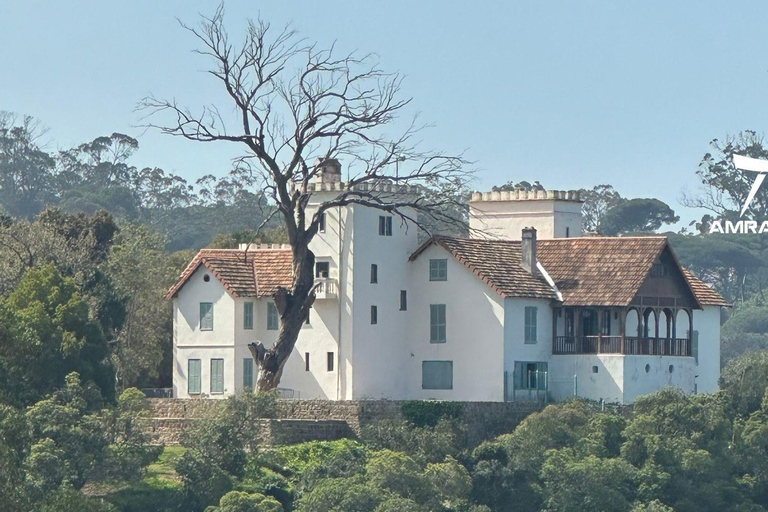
[528, 249]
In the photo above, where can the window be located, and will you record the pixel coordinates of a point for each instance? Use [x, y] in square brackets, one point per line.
[437, 323]
[248, 315]
[306, 361]
[438, 270]
[217, 376]
[659, 270]
[193, 376]
[531, 314]
[330, 361]
[437, 375]
[530, 375]
[567, 232]
[248, 373]
[606, 326]
[321, 224]
[385, 226]
[322, 268]
[374, 274]
[374, 315]
[569, 323]
[403, 300]
[206, 316]
[306, 320]
[273, 319]
[206, 278]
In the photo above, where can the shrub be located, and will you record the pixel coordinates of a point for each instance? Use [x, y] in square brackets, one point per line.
[238, 501]
[204, 483]
[427, 413]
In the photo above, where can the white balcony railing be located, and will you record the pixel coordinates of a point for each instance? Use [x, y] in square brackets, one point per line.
[326, 288]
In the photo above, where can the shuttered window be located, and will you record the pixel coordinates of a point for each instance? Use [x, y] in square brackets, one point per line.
[437, 374]
[437, 331]
[273, 319]
[193, 376]
[248, 373]
[438, 270]
[531, 314]
[206, 316]
[217, 375]
[248, 315]
[385, 226]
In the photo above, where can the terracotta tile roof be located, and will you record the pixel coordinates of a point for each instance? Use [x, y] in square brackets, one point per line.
[257, 275]
[588, 271]
[497, 263]
[598, 271]
[703, 292]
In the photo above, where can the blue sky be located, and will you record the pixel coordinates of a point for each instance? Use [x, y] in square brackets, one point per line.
[572, 94]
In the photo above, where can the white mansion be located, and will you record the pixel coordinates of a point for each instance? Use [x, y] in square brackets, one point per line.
[531, 309]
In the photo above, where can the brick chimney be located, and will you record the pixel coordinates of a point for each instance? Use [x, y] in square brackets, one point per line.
[528, 249]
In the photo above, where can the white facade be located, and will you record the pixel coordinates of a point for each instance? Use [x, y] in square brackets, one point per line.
[490, 348]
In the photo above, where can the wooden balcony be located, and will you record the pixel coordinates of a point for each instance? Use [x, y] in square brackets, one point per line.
[630, 346]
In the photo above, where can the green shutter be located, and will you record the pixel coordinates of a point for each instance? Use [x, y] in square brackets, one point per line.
[437, 374]
[530, 324]
[217, 375]
[248, 315]
[193, 376]
[437, 323]
[248, 373]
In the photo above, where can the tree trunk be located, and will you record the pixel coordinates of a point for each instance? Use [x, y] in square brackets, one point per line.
[293, 306]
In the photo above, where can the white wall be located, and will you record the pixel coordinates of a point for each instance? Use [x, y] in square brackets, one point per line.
[707, 323]
[381, 351]
[474, 332]
[506, 219]
[515, 348]
[192, 343]
[619, 379]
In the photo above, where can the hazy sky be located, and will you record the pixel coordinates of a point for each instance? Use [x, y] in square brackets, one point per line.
[572, 94]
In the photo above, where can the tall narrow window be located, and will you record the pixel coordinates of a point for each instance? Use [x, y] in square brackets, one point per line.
[217, 376]
[273, 319]
[306, 320]
[248, 373]
[193, 376]
[437, 374]
[248, 315]
[438, 270]
[531, 314]
[567, 232]
[385, 226]
[206, 316]
[321, 224]
[322, 269]
[374, 274]
[306, 361]
[437, 333]
[330, 361]
[606, 326]
[403, 300]
[374, 315]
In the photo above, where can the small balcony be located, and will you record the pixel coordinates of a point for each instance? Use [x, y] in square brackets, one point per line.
[326, 288]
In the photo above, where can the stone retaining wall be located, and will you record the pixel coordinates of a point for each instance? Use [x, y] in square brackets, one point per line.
[305, 420]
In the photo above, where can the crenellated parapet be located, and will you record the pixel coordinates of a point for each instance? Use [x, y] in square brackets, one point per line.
[527, 195]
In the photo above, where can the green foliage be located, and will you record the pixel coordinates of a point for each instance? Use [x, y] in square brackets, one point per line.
[744, 381]
[426, 413]
[398, 473]
[68, 500]
[344, 495]
[596, 203]
[572, 483]
[204, 482]
[636, 215]
[50, 328]
[238, 501]
[423, 444]
[744, 332]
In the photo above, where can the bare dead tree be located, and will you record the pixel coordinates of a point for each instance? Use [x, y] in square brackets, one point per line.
[295, 103]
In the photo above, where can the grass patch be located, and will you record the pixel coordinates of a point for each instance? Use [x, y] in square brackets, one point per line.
[159, 491]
